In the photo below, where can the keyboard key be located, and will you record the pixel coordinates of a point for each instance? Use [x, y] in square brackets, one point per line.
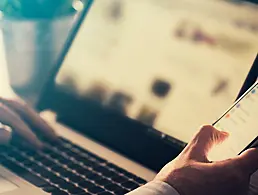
[127, 174]
[75, 178]
[48, 175]
[66, 185]
[96, 190]
[93, 176]
[59, 192]
[48, 150]
[28, 163]
[60, 182]
[53, 156]
[120, 170]
[70, 153]
[87, 154]
[57, 168]
[113, 187]
[38, 169]
[48, 163]
[79, 148]
[83, 171]
[105, 193]
[139, 180]
[38, 157]
[119, 179]
[86, 184]
[76, 190]
[89, 163]
[19, 157]
[130, 185]
[66, 173]
[100, 169]
[35, 180]
[54, 178]
[29, 152]
[103, 182]
[114, 167]
[49, 188]
[35, 167]
[62, 159]
[64, 140]
[109, 174]
[75, 166]
[122, 192]
[80, 158]
[99, 159]
[62, 147]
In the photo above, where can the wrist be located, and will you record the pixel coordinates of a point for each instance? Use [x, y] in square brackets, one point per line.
[182, 184]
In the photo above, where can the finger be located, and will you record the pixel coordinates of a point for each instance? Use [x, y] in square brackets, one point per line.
[5, 134]
[247, 161]
[31, 117]
[203, 141]
[10, 118]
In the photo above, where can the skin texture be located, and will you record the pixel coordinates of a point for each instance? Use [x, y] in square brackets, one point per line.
[191, 173]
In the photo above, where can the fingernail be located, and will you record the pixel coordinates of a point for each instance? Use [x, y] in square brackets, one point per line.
[225, 133]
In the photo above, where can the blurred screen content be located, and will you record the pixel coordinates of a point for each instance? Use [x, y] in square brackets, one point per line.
[241, 124]
[173, 65]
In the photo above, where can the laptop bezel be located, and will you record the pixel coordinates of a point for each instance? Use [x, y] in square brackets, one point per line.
[250, 79]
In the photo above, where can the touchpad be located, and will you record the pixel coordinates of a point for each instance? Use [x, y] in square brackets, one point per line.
[6, 186]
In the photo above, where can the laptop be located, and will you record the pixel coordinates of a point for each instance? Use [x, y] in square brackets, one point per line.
[133, 83]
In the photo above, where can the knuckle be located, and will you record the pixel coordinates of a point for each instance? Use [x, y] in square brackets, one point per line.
[16, 104]
[206, 128]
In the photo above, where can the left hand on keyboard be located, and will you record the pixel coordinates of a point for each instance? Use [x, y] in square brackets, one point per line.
[24, 121]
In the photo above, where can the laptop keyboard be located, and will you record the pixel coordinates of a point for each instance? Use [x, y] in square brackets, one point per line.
[64, 168]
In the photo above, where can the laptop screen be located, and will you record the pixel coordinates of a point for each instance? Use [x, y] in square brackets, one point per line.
[173, 65]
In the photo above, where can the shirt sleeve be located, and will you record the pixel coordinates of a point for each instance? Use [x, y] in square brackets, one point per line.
[253, 187]
[155, 188]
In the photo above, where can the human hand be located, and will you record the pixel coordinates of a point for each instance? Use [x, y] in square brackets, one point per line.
[19, 118]
[191, 173]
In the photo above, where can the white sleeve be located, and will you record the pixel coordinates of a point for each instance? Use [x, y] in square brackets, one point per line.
[155, 188]
[253, 187]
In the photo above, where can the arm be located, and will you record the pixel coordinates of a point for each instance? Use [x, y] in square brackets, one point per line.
[191, 173]
[155, 188]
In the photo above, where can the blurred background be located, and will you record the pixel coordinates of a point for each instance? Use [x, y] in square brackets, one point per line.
[34, 33]
[147, 59]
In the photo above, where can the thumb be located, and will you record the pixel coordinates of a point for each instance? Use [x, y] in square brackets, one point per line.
[247, 161]
[203, 141]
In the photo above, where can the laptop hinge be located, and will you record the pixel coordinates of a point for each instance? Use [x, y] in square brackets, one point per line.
[169, 139]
